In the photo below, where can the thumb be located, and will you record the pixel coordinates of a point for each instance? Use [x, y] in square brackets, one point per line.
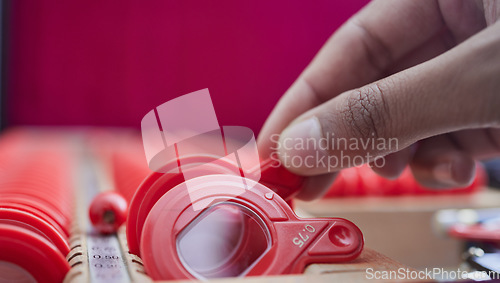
[455, 91]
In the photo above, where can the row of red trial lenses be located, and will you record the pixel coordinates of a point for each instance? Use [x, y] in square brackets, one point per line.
[36, 205]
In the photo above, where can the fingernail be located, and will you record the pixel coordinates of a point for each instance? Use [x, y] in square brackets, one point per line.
[443, 173]
[300, 148]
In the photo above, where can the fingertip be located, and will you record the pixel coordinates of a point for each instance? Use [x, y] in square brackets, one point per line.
[457, 170]
[300, 149]
[463, 170]
[316, 187]
[392, 165]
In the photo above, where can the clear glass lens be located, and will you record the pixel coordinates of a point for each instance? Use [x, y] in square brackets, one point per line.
[224, 241]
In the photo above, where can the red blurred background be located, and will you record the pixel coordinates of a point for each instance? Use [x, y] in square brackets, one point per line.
[108, 63]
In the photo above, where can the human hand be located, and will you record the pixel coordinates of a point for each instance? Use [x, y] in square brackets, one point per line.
[397, 73]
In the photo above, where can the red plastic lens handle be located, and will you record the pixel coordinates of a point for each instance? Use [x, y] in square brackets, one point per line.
[295, 242]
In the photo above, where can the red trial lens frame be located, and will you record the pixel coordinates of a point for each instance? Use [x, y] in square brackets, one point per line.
[220, 225]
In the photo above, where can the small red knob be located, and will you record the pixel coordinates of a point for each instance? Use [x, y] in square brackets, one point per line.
[108, 211]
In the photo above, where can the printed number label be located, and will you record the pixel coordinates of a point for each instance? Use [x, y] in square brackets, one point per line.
[302, 236]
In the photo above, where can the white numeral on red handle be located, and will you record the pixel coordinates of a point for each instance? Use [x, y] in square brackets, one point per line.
[302, 236]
